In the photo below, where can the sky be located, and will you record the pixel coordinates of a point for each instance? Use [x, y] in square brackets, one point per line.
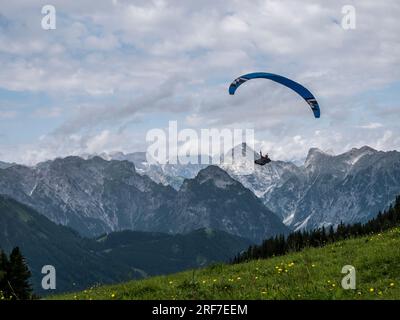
[113, 70]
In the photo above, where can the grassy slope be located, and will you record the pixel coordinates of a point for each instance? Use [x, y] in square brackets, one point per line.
[314, 273]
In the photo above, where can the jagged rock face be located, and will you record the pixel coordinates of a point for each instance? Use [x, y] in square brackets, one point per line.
[364, 182]
[213, 199]
[263, 180]
[95, 196]
[92, 196]
[328, 189]
[166, 174]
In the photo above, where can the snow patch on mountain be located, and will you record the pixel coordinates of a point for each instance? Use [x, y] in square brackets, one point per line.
[301, 224]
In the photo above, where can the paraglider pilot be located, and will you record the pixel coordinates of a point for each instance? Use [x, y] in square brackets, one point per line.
[263, 159]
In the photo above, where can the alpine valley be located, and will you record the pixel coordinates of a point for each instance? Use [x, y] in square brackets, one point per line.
[110, 258]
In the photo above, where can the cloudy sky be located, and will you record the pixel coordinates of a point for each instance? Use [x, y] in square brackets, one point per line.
[112, 70]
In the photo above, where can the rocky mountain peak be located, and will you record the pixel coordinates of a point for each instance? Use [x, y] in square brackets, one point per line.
[5, 165]
[215, 174]
[352, 156]
[361, 151]
[241, 152]
[315, 155]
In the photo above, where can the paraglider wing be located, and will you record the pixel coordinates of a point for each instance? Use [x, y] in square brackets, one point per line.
[302, 91]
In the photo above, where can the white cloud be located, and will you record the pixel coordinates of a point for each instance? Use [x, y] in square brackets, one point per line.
[387, 141]
[372, 125]
[112, 62]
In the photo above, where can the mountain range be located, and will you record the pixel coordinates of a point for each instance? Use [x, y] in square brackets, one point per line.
[326, 190]
[96, 196]
[167, 174]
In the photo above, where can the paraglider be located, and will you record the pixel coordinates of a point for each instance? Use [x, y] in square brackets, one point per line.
[298, 88]
[263, 160]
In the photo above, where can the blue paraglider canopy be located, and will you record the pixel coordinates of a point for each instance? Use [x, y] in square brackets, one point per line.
[302, 91]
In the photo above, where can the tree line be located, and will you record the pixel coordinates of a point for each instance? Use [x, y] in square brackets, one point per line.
[296, 241]
[14, 276]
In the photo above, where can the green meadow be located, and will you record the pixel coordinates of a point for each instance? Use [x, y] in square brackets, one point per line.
[314, 273]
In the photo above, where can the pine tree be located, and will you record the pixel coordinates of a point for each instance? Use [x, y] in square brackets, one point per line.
[4, 263]
[18, 276]
[296, 241]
